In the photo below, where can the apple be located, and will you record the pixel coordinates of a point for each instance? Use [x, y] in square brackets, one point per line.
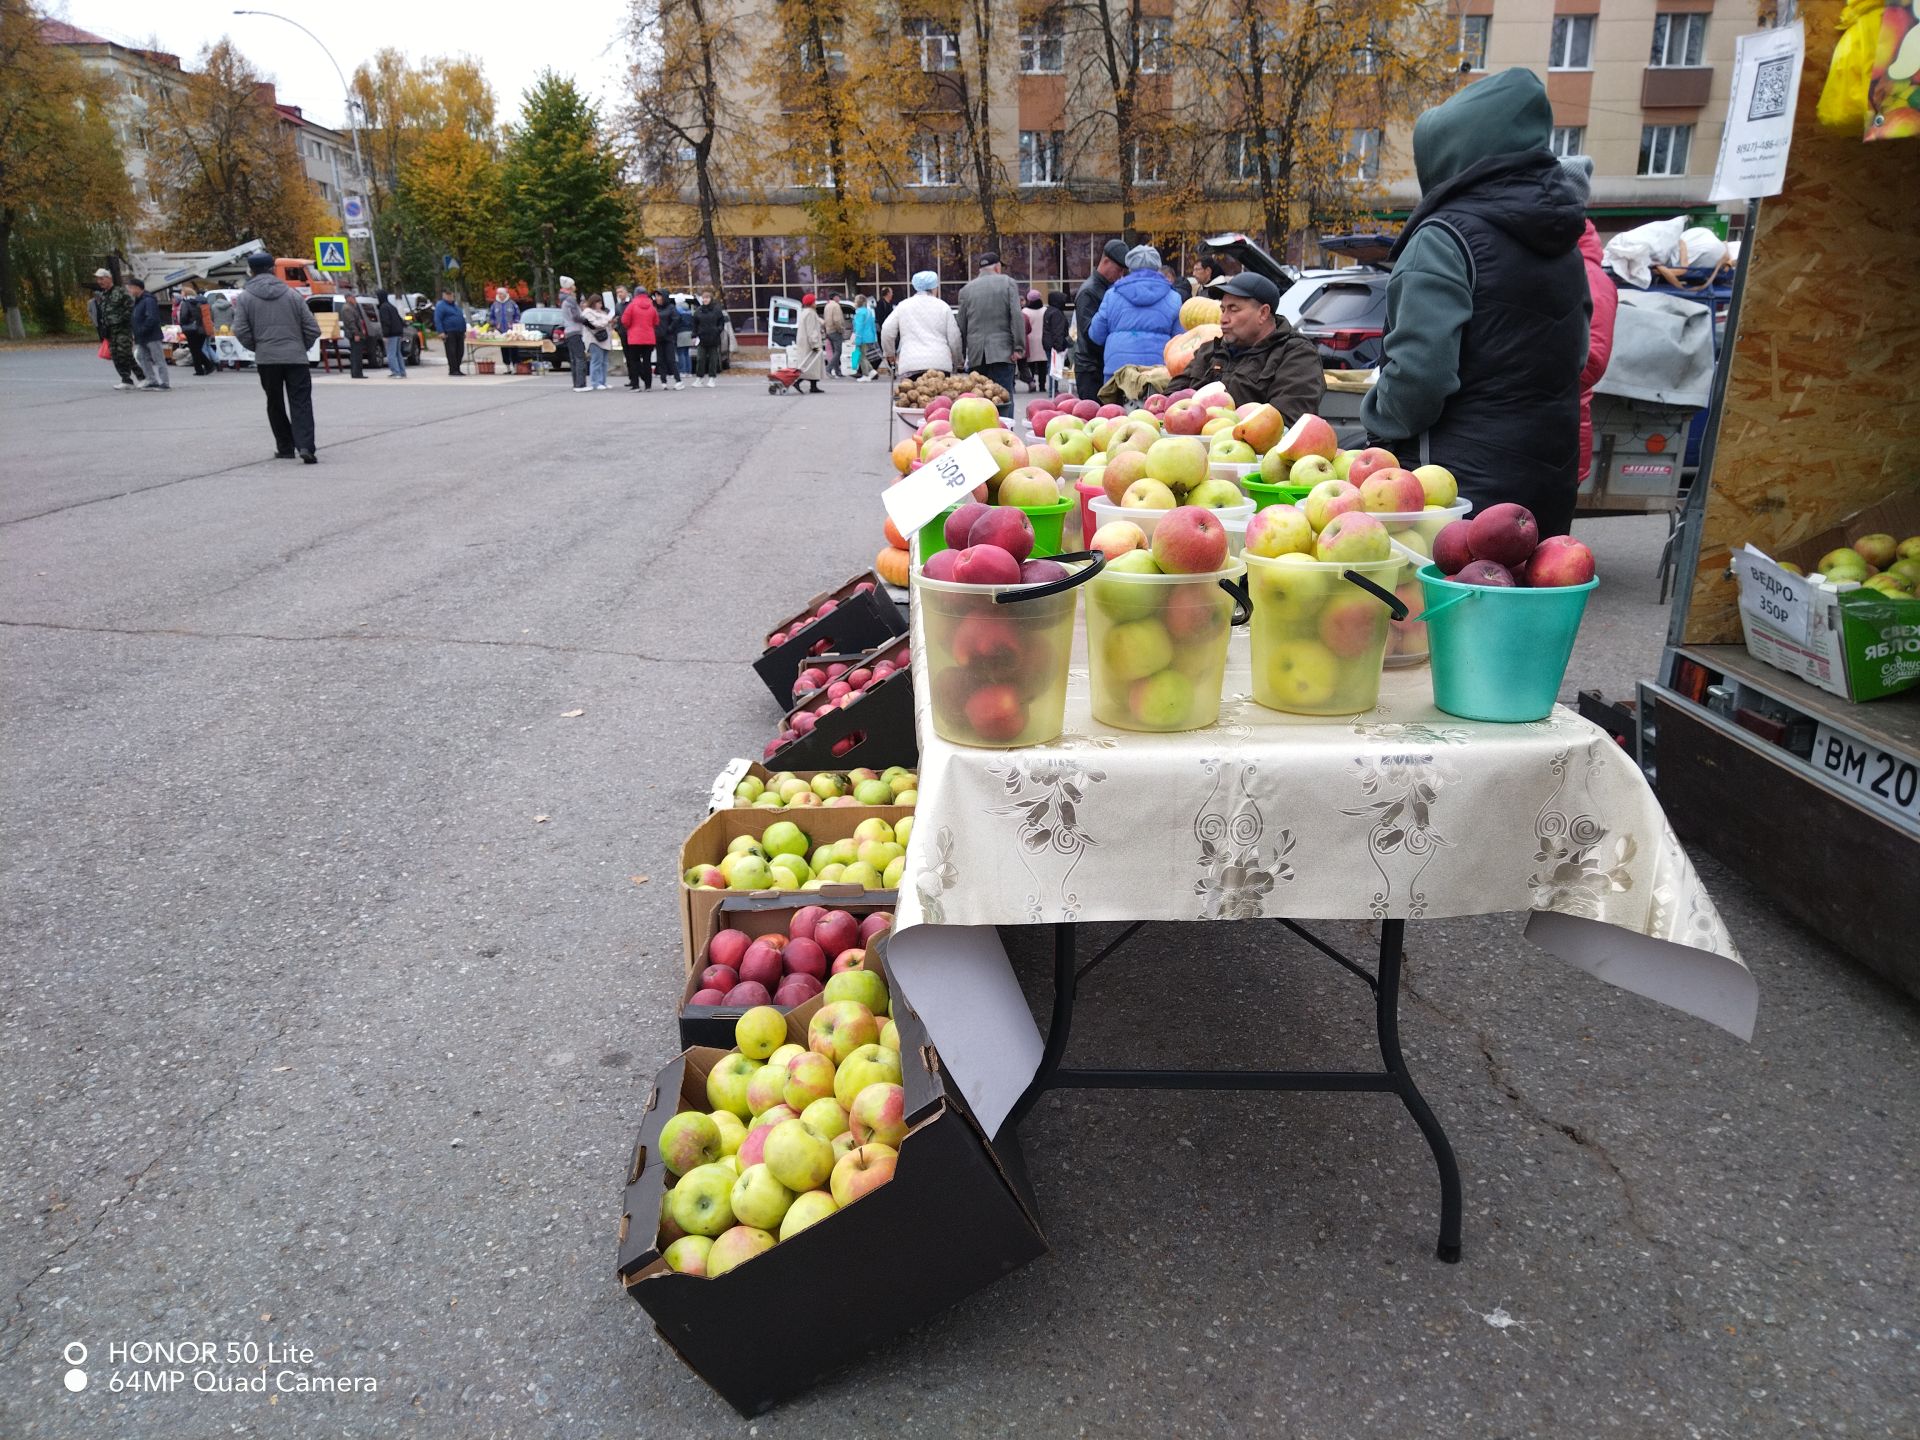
[688, 1255]
[890, 1036]
[866, 987]
[1355, 537]
[1438, 484]
[1906, 571]
[808, 1077]
[838, 930]
[1279, 530]
[1328, 499]
[1008, 452]
[861, 1171]
[1137, 649]
[970, 417]
[761, 965]
[1879, 550]
[1029, 485]
[1505, 534]
[1062, 424]
[1177, 461]
[689, 1139]
[857, 959]
[1310, 470]
[1117, 538]
[1367, 461]
[1075, 446]
[758, 1199]
[702, 1200]
[1889, 586]
[766, 1089]
[1352, 624]
[747, 872]
[1160, 702]
[1121, 472]
[960, 522]
[1309, 435]
[826, 1117]
[1219, 423]
[1301, 672]
[869, 1065]
[1045, 457]
[1844, 564]
[706, 877]
[727, 946]
[1216, 495]
[1393, 492]
[707, 996]
[732, 1130]
[737, 1246]
[760, 1032]
[1225, 450]
[1560, 560]
[1148, 495]
[719, 977]
[727, 1084]
[1004, 527]
[837, 1030]
[798, 1158]
[1190, 540]
[1260, 427]
[1131, 435]
[879, 1115]
[1485, 572]
[1453, 547]
[1183, 417]
[808, 1209]
[805, 956]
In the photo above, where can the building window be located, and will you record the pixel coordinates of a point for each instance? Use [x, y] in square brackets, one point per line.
[930, 158]
[1663, 149]
[1043, 46]
[1473, 41]
[817, 174]
[1361, 160]
[1156, 44]
[1572, 47]
[1243, 154]
[939, 47]
[1146, 163]
[1568, 140]
[1364, 59]
[827, 53]
[1269, 39]
[1040, 157]
[1678, 39]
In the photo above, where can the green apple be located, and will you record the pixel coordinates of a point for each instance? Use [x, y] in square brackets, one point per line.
[702, 1201]
[808, 1209]
[794, 865]
[749, 872]
[864, 987]
[732, 1130]
[1225, 450]
[842, 1143]
[1906, 571]
[903, 832]
[826, 1117]
[869, 1065]
[1121, 601]
[772, 1115]
[880, 853]
[896, 871]
[861, 1171]
[1161, 702]
[873, 792]
[872, 828]
[727, 1083]
[827, 875]
[791, 789]
[1075, 446]
[838, 1028]
[783, 837]
[1279, 530]
[783, 1056]
[765, 1089]
[809, 1076]
[1148, 495]
[879, 1114]
[758, 1199]
[784, 878]
[745, 845]
[1063, 425]
[749, 789]
[907, 797]
[889, 1037]
[1301, 672]
[796, 1157]
[1343, 461]
[1214, 494]
[736, 1247]
[827, 785]
[1137, 649]
[1311, 470]
[732, 1164]
[688, 1255]
[1292, 588]
[864, 875]
[689, 1139]
[1879, 549]
[1438, 483]
[1888, 585]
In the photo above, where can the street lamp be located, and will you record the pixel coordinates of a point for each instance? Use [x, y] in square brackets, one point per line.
[359, 165]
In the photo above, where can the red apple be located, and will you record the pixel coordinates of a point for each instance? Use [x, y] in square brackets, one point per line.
[1560, 560]
[855, 959]
[1452, 548]
[727, 947]
[837, 931]
[1183, 417]
[719, 977]
[996, 712]
[987, 642]
[761, 964]
[803, 956]
[1309, 435]
[1040, 572]
[1006, 527]
[1505, 534]
[1485, 572]
[708, 997]
[1393, 491]
[987, 564]
[1111, 412]
[1369, 460]
[1350, 624]
[960, 522]
[748, 993]
[1190, 540]
[878, 923]
[940, 565]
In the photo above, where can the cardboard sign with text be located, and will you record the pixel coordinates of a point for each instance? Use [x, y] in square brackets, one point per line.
[943, 481]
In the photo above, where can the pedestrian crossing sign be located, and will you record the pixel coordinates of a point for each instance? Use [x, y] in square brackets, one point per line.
[330, 252]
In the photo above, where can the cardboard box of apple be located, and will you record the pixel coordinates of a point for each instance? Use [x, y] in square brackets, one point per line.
[766, 1208]
[852, 618]
[782, 857]
[1156, 641]
[757, 962]
[821, 726]
[784, 789]
[833, 678]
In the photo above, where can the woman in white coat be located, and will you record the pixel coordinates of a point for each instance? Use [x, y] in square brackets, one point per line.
[922, 333]
[597, 324]
[811, 343]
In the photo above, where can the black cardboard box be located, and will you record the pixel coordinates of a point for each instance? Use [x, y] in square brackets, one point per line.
[877, 731]
[859, 622]
[952, 1221]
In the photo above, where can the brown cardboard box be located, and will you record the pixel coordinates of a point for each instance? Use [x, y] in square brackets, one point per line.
[757, 914]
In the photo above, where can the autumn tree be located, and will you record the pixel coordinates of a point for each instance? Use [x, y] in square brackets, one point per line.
[841, 72]
[224, 166]
[568, 206]
[453, 191]
[685, 119]
[63, 190]
[960, 45]
[1119, 91]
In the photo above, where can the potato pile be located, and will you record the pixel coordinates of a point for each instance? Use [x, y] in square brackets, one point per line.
[915, 393]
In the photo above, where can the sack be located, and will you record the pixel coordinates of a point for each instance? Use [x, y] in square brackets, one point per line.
[106, 350]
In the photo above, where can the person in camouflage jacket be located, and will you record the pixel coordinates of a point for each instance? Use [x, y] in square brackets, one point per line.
[113, 315]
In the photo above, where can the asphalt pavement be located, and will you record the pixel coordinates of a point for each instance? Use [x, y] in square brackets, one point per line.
[339, 954]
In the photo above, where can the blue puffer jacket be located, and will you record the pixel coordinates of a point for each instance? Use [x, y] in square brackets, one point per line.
[1137, 318]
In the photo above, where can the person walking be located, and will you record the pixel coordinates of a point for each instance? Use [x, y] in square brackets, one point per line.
[1606, 306]
[883, 307]
[149, 341]
[353, 330]
[709, 332]
[833, 319]
[1488, 310]
[1034, 358]
[811, 342]
[451, 323]
[573, 334]
[866, 336]
[1089, 363]
[113, 318]
[393, 330]
[1138, 316]
[992, 329]
[596, 324]
[274, 323]
[623, 297]
[1056, 331]
[637, 324]
[192, 320]
[922, 334]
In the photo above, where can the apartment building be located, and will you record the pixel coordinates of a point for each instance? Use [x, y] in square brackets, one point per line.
[137, 78]
[325, 154]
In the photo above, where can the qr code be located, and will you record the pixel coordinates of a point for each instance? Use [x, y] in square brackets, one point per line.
[1770, 98]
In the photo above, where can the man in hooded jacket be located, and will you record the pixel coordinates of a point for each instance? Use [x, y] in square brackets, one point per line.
[1487, 309]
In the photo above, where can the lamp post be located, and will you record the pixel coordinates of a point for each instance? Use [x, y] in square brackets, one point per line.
[359, 165]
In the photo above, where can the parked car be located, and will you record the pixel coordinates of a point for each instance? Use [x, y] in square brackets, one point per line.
[1347, 319]
[547, 320]
[374, 352]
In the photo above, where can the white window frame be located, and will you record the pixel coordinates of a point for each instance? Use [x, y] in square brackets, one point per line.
[1563, 44]
[1040, 158]
[1568, 140]
[1678, 34]
[1156, 44]
[935, 145]
[1476, 53]
[810, 175]
[1360, 155]
[835, 57]
[1149, 172]
[1656, 157]
[1043, 45]
[939, 47]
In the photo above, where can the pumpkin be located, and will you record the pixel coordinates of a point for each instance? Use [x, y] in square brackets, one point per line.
[904, 454]
[1200, 310]
[891, 566]
[894, 538]
[1183, 347]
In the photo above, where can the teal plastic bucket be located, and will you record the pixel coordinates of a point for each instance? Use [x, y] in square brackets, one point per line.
[1498, 653]
[1046, 520]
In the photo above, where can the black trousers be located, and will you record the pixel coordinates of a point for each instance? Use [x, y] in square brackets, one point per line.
[456, 351]
[640, 365]
[577, 359]
[356, 356]
[1087, 380]
[706, 364]
[197, 348]
[289, 405]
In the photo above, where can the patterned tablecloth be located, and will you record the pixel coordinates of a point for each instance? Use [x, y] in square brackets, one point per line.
[1402, 812]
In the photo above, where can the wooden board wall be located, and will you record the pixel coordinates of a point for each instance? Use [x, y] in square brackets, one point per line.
[1823, 400]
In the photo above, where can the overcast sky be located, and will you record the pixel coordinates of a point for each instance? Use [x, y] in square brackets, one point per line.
[515, 42]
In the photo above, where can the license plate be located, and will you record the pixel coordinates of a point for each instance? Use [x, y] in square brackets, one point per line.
[1886, 781]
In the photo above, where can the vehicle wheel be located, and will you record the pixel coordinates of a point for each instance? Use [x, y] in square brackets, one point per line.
[773, 389]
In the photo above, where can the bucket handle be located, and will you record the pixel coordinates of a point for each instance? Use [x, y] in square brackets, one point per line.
[1386, 597]
[1452, 600]
[1054, 587]
[1242, 599]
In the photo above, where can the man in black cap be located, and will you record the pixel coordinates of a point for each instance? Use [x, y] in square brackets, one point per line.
[992, 328]
[1089, 363]
[1259, 356]
[274, 323]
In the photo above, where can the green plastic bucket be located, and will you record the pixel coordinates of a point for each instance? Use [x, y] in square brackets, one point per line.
[1263, 494]
[1498, 653]
[1047, 520]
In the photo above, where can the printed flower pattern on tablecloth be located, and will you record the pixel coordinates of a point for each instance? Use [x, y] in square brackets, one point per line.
[937, 877]
[1401, 838]
[1044, 796]
[1237, 871]
[1578, 861]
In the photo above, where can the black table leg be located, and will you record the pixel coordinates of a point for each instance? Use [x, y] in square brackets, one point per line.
[1392, 1079]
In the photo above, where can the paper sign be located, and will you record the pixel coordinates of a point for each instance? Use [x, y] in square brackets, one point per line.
[939, 483]
[1759, 129]
[723, 783]
[1774, 597]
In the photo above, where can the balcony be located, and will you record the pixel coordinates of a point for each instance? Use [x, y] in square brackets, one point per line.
[1675, 87]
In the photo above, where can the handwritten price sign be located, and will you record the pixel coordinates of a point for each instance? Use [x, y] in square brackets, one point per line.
[938, 484]
[1776, 598]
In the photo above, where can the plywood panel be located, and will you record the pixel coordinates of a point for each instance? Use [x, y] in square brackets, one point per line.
[1823, 400]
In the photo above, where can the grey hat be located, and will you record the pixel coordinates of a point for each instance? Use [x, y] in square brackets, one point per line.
[1143, 257]
[1579, 169]
[1116, 251]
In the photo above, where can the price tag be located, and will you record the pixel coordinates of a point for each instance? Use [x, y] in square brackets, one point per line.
[1774, 597]
[942, 482]
[1885, 780]
[723, 783]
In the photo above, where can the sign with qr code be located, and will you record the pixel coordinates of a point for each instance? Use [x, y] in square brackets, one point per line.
[1759, 129]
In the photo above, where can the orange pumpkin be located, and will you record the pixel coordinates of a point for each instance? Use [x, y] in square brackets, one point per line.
[904, 454]
[1200, 310]
[894, 537]
[1183, 347]
[891, 564]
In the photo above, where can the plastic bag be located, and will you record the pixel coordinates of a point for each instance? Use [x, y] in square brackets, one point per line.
[1843, 99]
[850, 360]
[1632, 254]
[106, 350]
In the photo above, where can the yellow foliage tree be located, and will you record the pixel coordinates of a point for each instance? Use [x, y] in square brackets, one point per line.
[453, 186]
[400, 105]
